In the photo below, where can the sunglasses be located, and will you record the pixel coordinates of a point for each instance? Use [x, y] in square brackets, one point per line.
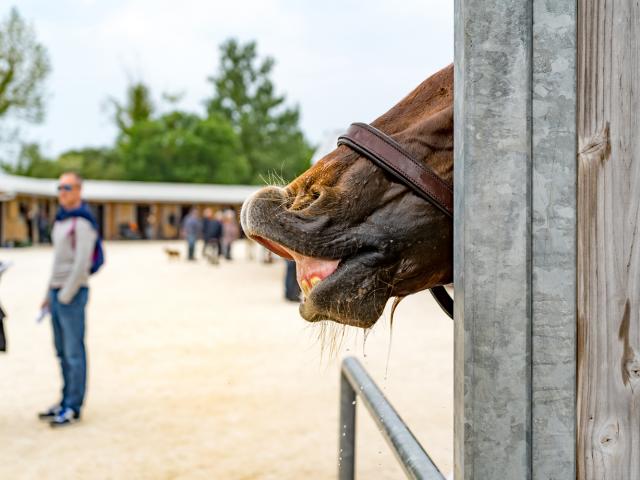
[65, 187]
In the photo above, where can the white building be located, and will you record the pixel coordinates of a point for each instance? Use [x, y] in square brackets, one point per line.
[123, 209]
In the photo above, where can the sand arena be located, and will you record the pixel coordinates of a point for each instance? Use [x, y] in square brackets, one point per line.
[202, 372]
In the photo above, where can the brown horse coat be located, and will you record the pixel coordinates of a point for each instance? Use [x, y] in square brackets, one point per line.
[357, 235]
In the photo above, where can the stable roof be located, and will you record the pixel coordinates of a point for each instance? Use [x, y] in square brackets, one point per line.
[134, 192]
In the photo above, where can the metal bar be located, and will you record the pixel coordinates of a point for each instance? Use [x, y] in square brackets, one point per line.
[492, 235]
[412, 457]
[347, 452]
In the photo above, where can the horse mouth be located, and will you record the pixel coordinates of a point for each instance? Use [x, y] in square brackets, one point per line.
[345, 277]
[310, 271]
[324, 282]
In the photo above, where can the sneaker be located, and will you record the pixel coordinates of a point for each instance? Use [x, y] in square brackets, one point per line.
[49, 414]
[66, 416]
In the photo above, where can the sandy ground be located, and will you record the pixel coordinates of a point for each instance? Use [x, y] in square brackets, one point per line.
[203, 372]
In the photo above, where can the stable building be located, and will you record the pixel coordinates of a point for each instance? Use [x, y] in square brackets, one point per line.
[125, 210]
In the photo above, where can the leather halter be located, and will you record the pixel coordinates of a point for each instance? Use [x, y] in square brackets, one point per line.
[389, 155]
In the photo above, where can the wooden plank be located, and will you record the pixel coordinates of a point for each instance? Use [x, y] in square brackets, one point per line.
[2, 222]
[608, 239]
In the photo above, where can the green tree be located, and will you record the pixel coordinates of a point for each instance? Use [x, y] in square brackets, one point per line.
[269, 130]
[24, 64]
[32, 163]
[182, 147]
[92, 162]
[98, 163]
[137, 107]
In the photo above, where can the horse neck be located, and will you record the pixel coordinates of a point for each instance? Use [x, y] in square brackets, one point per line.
[422, 122]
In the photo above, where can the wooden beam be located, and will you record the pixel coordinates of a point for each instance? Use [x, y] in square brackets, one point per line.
[608, 239]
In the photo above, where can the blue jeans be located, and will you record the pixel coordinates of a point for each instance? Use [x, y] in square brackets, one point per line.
[191, 242]
[68, 337]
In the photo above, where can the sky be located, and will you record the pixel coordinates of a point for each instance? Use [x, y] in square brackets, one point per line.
[340, 61]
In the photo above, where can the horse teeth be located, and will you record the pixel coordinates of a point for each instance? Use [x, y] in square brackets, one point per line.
[314, 281]
[306, 287]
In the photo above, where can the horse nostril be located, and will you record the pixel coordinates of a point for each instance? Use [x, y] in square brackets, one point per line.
[315, 194]
[305, 199]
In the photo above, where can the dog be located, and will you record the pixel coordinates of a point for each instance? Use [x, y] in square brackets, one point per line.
[172, 253]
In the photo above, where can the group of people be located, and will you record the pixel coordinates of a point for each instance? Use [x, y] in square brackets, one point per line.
[218, 232]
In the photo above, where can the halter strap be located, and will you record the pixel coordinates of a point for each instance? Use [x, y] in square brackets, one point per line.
[385, 152]
[443, 299]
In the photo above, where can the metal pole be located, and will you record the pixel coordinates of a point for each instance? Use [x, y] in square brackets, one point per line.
[412, 457]
[347, 432]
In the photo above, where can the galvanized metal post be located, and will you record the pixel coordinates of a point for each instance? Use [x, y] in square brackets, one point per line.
[515, 239]
[347, 443]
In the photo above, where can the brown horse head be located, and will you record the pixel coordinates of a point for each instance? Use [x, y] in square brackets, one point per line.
[357, 235]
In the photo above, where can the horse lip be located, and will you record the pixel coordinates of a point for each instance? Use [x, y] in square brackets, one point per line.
[273, 246]
[310, 270]
[329, 270]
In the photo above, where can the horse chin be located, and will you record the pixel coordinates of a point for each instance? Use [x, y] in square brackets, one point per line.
[345, 278]
[350, 291]
[312, 314]
[353, 295]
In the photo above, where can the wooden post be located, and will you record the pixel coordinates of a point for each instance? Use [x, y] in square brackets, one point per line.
[109, 229]
[2, 222]
[158, 213]
[515, 239]
[608, 240]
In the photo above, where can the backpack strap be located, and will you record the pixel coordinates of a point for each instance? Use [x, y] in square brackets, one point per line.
[72, 232]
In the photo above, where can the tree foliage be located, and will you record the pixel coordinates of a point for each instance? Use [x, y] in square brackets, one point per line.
[32, 163]
[181, 147]
[248, 135]
[92, 162]
[269, 130]
[89, 162]
[137, 107]
[24, 64]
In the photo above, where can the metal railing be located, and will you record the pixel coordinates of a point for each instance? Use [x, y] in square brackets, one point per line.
[355, 381]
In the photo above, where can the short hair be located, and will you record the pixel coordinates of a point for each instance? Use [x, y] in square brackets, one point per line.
[77, 176]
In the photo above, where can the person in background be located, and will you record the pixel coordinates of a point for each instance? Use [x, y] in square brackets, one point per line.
[211, 235]
[3, 338]
[134, 230]
[150, 227]
[230, 232]
[174, 225]
[191, 228]
[77, 253]
[43, 227]
[291, 287]
[31, 218]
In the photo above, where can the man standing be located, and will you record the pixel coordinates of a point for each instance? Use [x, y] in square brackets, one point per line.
[191, 228]
[77, 254]
[211, 233]
[230, 232]
[3, 339]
